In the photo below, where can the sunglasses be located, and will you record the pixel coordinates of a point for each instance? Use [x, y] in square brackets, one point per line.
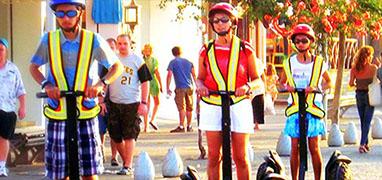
[69, 14]
[217, 20]
[304, 41]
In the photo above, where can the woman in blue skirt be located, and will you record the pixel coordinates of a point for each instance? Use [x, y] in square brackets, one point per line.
[307, 71]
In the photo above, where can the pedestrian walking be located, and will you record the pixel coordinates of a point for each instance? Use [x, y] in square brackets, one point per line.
[155, 86]
[362, 74]
[183, 72]
[11, 90]
[128, 100]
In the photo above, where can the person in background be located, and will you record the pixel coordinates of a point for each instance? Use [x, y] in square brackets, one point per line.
[104, 103]
[155, 85]
[362, 74]
[216, 73]
[271, 81]
[128, 100]
[183, 71]
[307, 71]
[11, 90]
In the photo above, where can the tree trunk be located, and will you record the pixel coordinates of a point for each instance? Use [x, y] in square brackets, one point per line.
[334, 114]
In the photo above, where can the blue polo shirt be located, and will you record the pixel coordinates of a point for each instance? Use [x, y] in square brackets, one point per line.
[69, 48]
[181, 69]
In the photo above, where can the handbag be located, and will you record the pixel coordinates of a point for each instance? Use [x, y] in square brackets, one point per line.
[375, 97]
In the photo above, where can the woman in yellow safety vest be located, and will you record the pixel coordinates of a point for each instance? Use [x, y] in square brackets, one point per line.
[226, 64]
[308, 71]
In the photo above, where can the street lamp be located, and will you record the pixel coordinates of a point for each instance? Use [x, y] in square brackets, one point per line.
[131, 14]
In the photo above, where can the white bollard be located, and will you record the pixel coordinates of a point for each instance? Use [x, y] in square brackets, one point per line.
[351, 134]
[284, 144]
[172, 164]
[335, 136]
[144, 168]
[376, 131]
[251, 154]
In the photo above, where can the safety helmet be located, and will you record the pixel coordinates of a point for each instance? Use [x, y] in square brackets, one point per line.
[303, 29]
[225, 8]
[54, 3]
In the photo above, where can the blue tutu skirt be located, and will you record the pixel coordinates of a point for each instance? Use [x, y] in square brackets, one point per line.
[315, 126]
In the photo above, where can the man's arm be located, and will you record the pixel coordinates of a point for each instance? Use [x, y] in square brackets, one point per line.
[113, 73]
[22, 109]
[168, 82]
[52, 91]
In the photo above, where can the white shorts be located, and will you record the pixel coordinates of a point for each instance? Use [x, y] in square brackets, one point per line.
[241, 117]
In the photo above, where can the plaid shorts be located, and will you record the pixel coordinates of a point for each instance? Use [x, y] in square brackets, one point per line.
[89, 151]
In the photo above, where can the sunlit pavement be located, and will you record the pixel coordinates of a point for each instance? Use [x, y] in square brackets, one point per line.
[364, 166]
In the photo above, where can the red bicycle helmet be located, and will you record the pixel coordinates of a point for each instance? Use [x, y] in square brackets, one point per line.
[303, 29]
[225, 8]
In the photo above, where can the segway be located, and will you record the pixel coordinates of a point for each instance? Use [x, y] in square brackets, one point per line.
[226, 128]
[303, 126]
[273, 168]
[70, 130]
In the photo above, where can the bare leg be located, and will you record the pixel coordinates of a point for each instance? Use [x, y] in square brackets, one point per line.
[315, 152]
[146, 117]
[121, 150]
[214, 143]
[182, 114]
[93, 177]
[155, 108]
[240, 143]
[4, 149]
[294, 159]
[129, 147]
[189, 118]
[113, 149]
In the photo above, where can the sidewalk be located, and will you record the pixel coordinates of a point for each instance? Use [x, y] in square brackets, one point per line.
[363, 166]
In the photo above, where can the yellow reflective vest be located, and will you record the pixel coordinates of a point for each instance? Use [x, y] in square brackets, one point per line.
[81, 76]
[230, 85]
[314, 80]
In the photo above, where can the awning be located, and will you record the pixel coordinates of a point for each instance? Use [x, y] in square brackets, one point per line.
[107, 11]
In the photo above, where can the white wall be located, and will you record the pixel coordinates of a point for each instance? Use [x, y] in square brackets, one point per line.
[160, 29]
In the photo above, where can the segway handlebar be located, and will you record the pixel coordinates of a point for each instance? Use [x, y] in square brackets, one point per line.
[62, 94]
[317, 91]
[211, 92]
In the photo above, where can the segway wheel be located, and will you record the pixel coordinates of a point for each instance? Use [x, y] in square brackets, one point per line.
[343, 172]
[263, 171]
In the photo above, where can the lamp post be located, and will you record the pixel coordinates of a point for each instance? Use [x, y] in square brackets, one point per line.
[131, 14]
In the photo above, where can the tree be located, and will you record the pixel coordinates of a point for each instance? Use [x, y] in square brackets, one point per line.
[328, 18]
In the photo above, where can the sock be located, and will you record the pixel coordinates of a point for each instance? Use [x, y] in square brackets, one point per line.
[181, 127]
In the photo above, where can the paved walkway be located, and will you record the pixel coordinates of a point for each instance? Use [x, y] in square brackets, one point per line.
[364, 166]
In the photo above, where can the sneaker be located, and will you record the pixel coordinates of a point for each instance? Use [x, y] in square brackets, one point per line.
[189, 129]
[177, 129]
[3, 171]
[114, 162]
[125, 171]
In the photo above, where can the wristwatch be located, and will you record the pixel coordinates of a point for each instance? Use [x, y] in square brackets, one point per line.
[44, 83]
[105, 81]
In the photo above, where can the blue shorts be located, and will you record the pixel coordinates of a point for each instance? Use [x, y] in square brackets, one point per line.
[89, 151]
[102, 123]
[315, 125]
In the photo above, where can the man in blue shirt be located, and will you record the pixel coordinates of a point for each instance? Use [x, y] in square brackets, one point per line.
[182, 69]
[68, 54]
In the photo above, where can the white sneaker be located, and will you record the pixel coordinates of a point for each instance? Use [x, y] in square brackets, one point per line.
[3, 171]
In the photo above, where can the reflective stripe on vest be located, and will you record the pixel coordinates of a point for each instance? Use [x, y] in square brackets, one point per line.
[218, 77]
[314, 80]
[81, 76]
